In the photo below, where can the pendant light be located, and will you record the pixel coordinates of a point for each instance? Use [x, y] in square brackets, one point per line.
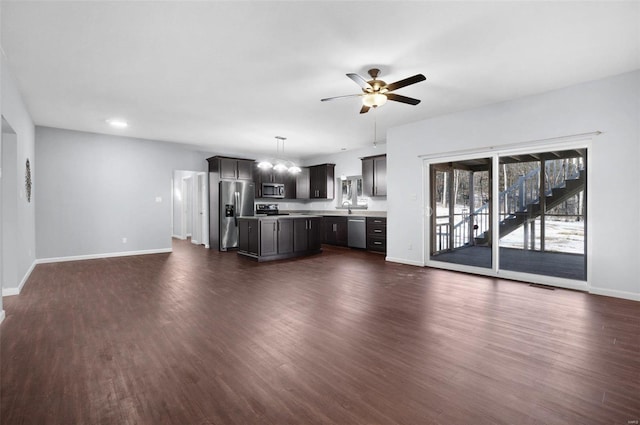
[279, 164]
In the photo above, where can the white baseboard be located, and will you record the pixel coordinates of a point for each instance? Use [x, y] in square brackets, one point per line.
[1, 315]
[404, 261]
[615, 293]
[178, 237]
[8, 292]
[98, 256]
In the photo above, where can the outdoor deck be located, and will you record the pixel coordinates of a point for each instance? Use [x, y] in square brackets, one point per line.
[563, 265]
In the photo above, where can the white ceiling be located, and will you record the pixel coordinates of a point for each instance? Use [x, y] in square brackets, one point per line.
[229, 76]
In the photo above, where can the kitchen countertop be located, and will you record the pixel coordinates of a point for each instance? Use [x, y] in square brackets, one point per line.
[342, 213]
[317, 213]
[273, 217]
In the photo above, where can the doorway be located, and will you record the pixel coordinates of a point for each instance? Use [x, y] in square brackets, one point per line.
[187, 207]
[190, 206]
[9, 210]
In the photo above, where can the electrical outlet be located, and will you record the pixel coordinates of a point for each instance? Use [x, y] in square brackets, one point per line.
[124, 240]
[410, 247]
[158, 199]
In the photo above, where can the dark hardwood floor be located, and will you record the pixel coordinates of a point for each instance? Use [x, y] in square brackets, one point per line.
[198, 337]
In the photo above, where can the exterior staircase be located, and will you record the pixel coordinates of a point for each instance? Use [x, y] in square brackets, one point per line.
[518, 205]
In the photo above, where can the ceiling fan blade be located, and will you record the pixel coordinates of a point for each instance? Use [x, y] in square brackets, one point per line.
[360, 81]
[364, 109]
[406, 82]
[403, 99]
[340, 97]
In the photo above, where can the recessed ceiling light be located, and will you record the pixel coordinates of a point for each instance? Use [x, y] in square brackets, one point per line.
[116, 123]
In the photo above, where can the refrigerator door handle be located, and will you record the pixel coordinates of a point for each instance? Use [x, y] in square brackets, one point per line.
[236, 202]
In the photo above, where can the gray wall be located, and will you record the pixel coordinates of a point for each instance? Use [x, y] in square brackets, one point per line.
[96, 189]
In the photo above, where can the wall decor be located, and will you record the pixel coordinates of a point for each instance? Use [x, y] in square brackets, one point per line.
[27, 180]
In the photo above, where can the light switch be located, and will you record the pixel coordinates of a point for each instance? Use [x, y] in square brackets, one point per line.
[158, 199]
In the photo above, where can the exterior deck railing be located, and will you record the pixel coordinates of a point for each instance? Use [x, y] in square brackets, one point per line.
[514, 200]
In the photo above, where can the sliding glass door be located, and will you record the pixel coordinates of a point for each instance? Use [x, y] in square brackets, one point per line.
[542, 213]
[533, 204]
[461, 219]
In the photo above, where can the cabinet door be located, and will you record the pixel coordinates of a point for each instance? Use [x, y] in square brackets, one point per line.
[285, 236]
[321, 181]
[248, 236]
[367, 176]
[243, 235]
[245, 170]
[329, 181]
[257, 181]
[314, 238]
[290, 186]
[268, 237]
[300, 237]
[228, 168]
[253, 236]
[329, 230]
[342, 234]
[380, 176]
[302, 184]
[314, 178]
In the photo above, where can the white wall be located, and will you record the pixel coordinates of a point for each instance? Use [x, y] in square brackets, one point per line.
[610, 105]
[96, 189]
[347, 163]
[2, 59]
[15, 113]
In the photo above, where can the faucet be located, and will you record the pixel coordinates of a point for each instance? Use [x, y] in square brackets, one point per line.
[348, 203]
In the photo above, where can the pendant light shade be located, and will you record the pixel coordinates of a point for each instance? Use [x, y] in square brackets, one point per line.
[279, 164]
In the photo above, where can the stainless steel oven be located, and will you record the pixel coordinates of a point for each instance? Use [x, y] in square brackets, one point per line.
[272, 190]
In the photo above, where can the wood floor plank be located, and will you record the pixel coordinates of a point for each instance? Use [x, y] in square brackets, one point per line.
[199, 337]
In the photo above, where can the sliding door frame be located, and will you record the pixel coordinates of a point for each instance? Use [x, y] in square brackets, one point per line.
[565, 143]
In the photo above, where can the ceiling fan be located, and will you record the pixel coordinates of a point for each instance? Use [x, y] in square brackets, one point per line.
[376, 92]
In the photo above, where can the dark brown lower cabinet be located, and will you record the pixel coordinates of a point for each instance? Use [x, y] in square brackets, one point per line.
[377, 234]
[306, 234]
[285, 236]
[248, 236]
[275, 238]
[268, 237]
[334, 230]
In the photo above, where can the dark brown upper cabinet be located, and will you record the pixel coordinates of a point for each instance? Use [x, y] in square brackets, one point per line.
[231, 168]
[321, 181]
[374, 175]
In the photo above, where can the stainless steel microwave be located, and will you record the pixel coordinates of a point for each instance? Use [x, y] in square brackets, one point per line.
[272, 190]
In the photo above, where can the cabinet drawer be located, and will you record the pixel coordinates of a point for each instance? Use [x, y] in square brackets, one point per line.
[377, 220]
[377, 230]
[375, 243]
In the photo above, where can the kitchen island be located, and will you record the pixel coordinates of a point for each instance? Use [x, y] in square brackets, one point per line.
[268, 238]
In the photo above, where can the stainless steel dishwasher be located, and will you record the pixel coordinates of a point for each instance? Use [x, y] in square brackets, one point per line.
[357, 232]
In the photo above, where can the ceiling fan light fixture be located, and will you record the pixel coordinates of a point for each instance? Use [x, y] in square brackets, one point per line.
[373, 100]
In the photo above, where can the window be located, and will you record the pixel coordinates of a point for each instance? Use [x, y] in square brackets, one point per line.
[351, 193]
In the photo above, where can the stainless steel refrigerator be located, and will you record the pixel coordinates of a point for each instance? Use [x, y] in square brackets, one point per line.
[235, 199]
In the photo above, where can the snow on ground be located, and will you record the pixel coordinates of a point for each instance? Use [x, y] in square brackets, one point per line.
[560, 236]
